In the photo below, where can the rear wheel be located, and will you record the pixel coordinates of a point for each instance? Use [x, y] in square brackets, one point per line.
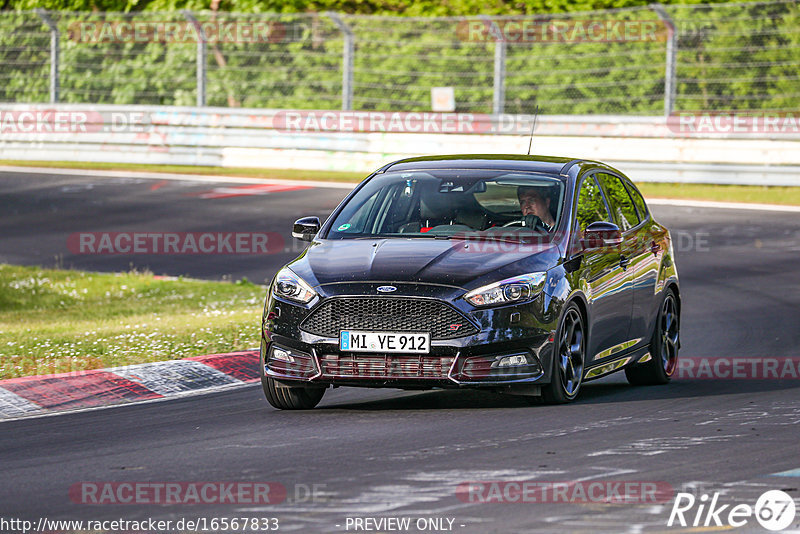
[569, 358]
[663, 347]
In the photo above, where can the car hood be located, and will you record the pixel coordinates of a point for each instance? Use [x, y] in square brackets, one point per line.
[455, 262]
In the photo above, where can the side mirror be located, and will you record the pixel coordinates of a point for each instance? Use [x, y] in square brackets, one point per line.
[306, 228]
[601, 234]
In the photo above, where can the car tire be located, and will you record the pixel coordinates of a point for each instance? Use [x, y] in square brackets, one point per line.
[569, 358]
[285, 397]
[291, 397]
[663, 347]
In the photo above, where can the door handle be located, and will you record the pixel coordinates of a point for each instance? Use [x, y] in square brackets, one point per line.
[624, 262]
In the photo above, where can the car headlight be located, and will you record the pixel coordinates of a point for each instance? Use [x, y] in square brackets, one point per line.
[517, 289]
[291, 287]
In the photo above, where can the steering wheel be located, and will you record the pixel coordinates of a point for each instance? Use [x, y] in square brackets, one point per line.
[531, 221]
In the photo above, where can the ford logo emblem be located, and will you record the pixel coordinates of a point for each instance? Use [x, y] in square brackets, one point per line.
[386, 289]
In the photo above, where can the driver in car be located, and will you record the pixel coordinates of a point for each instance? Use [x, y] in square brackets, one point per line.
[534, 201]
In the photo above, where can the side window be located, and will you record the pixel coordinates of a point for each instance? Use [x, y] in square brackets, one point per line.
[638, 201]
[591, 207]
[619, 201]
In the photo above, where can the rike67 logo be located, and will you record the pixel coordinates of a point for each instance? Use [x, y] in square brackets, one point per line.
[774, 510]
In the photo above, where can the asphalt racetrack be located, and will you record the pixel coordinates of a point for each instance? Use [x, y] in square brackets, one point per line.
[394, 454]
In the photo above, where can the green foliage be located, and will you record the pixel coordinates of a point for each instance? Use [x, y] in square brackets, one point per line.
[419, 8]
[730, 57]
[24, 56]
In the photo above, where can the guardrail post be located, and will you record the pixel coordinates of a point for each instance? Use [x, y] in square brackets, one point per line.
[499, 88]
[201, 57]
[347, 59]
[671, 60]
[54, 53]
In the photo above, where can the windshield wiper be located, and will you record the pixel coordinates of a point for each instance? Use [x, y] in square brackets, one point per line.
[417, 236]
[401, 236]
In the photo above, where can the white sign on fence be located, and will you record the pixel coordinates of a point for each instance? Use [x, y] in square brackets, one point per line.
[443, 99]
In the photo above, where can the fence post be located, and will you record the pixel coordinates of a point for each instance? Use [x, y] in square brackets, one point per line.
[54, 52]
[347, 60]
[672, 51]
[499, 89]
[201, 57]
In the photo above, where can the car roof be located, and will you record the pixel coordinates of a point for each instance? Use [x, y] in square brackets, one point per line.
[512, 162]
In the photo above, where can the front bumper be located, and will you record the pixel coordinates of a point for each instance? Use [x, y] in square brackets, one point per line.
[442, 367]
[510, 346]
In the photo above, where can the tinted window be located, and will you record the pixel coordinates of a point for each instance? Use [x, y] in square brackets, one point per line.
[619, 201]
[591, 207]
[638, 201]
[362, 214]
[450, 202]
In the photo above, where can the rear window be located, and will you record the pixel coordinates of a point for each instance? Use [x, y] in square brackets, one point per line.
[638, 201]
[620, 203]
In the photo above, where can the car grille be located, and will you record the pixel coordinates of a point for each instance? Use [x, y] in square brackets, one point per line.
[385, 366]
[388, 314]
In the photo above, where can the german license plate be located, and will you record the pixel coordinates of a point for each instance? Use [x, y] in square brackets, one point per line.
[359, 341]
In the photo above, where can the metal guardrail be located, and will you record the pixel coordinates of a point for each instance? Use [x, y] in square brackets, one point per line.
[646, 60]
[650, 148]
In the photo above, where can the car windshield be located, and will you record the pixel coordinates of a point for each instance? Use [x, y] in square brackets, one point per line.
[453, 203]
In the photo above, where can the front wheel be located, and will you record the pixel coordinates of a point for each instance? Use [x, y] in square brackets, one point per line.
[663, 347]
[287, 397]
[569, 358]
[291, 397]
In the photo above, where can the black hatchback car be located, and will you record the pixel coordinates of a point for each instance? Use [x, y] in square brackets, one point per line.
[526, 275]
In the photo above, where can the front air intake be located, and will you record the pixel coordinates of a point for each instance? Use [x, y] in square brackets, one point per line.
[389, 314]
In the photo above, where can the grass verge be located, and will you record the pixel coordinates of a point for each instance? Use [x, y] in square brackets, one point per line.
[788, 196]
[244, 172]
[724, 193]
[54, 321]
